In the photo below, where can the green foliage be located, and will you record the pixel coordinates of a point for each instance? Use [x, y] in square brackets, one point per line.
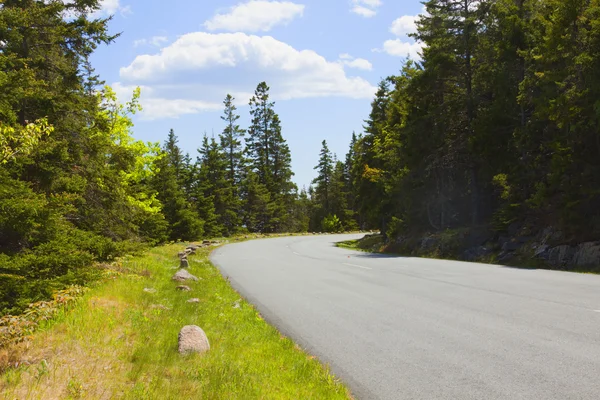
[269, 158]
[331, 224]
[497, 123]
[20, 141]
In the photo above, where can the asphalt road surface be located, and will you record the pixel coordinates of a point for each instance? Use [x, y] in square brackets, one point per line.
[409, 328]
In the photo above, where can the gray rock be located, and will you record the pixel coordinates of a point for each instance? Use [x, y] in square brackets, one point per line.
[184, 288]
[183, 275]
[192, 339]
[587, 254]
[149, 290]
[541, 251]
[505, 257]
[184, 263]
[193, 300]
[476, 253]
[523, 239]
[561, 256]
[511, 246]
[192, 247]
[513, 229]
[182, 254]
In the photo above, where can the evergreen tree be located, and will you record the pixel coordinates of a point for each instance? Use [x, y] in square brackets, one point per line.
[270, 159]
[184, 222]
[323, 181]
[210, 182]
[231, 142]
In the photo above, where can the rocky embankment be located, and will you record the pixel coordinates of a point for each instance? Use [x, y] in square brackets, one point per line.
[546, 249]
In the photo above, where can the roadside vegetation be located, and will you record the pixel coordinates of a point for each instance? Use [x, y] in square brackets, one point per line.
[488, 142]
[120, 341]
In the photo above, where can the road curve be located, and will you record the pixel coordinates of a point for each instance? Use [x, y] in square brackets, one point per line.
[410, 328]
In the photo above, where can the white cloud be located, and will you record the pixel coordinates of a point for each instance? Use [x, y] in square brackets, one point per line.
[365, 8]
[153, 41]
[255, 16]
[111, 7]
[400, 48]
[156, 107]
[358, 63]
[404, 25]
[196, 71]
[403, 47]
[107, 7]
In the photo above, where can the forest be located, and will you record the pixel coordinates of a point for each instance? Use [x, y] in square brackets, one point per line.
[497, 124]
[497, 127]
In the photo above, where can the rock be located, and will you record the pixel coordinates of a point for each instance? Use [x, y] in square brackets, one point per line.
[205, 242]
[150, 290]
[561, 256]
[193, 300]
[192, 247]
[159, 307]
[523, 239]
[513, 229]
[476, 253]
[511, 246]
[478, 237]
[183, 275]
[182, 254]
[192, 339]
[184, 263]
[587, 254]
[184, 288]
[541, 251]
[505, 257]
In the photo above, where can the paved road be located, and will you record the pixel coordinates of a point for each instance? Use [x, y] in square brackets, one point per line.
[408, 328]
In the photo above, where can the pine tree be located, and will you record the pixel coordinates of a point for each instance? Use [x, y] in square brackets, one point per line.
[210, 184]
[184, 222]
[231, 142]
[323, 180]
[270, 159]
[256, 200]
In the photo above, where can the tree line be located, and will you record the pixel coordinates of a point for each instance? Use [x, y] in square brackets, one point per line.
[498, 124]
[77, 188]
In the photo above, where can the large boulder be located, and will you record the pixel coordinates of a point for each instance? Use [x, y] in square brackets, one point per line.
[182, 275]
[192, 339]
[561, 256]
[587, 255]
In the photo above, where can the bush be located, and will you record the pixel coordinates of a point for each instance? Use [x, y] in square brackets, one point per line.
[332, 223]
[33, 275]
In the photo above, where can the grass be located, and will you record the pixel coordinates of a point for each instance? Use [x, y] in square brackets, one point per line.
[370, 243]
[121, 342]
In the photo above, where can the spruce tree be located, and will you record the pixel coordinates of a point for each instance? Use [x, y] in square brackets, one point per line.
[210, 178]
[184, 222]
[270, 159]
[323, 180]
[231, 142]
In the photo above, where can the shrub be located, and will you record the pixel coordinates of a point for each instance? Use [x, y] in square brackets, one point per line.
[332, 223]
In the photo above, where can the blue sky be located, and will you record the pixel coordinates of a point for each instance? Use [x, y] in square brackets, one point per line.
[321, 58]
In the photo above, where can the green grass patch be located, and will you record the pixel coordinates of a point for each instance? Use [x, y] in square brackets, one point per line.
[120, 341]
[370, 243]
